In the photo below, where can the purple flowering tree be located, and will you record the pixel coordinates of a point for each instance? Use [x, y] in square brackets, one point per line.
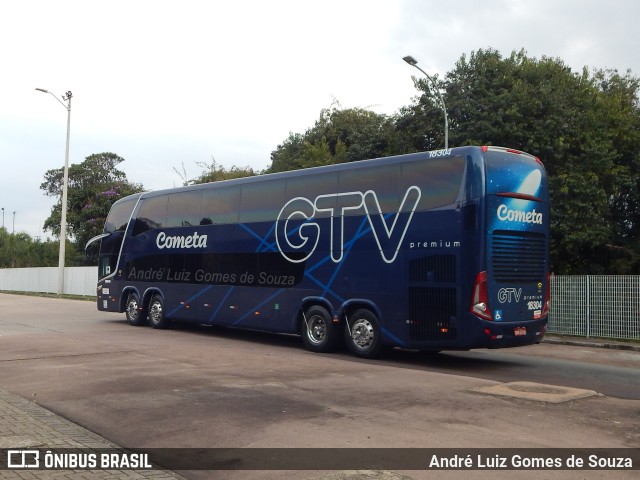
[94, 185]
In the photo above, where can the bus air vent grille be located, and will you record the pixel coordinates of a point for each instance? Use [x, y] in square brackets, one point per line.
[433, 269]
[432, 313]
[518, 256]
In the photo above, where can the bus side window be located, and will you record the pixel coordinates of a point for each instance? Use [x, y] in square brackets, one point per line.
[261, 201]
[105, 267]
[386, 180]
[152, 214]
[184, 209]
[309, 186]
[220, 205]
[443, 176]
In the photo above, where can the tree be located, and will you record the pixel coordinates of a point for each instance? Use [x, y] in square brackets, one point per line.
[19, 250]
[618, 109]
[94, 185]
[585, 128]
[213, 172]
[338, 136]
[420, 127]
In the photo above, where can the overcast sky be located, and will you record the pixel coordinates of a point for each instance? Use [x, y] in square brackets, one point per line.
[162, 83]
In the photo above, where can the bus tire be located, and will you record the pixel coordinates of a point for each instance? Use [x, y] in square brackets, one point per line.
[156, 313]
[319, 334]
[134, 311]
[362, 334]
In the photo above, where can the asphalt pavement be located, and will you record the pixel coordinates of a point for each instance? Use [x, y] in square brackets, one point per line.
[36, 338]
[26, 425]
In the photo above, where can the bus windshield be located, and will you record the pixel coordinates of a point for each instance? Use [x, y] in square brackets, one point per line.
[119, 215]
[114, 229]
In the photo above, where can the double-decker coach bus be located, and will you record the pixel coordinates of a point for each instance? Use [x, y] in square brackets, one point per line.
[445, 249]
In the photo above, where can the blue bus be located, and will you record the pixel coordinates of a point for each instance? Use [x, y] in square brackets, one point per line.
[439, 250]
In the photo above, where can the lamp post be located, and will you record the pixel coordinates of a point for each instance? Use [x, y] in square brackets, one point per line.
[414, 63]
[65, 181]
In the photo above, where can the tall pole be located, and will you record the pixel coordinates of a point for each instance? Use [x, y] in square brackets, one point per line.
[65, 184]
[13, 243]
[414, 63]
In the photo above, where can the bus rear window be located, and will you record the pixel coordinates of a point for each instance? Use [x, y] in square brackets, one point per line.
[513, 175]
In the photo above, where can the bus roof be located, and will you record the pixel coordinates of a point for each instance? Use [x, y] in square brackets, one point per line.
[466, 150]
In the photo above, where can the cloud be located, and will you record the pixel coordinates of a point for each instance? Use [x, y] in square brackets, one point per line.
[580, 32]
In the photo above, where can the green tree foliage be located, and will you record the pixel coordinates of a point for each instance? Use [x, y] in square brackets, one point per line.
[584, 126]
[94, 185]
[212, 172]
[20, 250]
[420, 127]
[338, 136]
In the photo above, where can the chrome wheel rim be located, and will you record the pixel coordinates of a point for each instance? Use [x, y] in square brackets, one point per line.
[362, 333]
[316, 329]
[155, 312]
[132, 309]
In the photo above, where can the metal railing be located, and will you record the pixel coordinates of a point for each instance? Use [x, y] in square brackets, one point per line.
[605, 306]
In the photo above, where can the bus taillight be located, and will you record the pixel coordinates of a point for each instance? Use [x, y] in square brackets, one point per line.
[480, 297]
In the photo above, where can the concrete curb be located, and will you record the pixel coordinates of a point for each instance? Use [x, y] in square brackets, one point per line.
[591, 342]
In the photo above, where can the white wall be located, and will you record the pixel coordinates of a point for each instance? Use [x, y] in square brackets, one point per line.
[77, 280]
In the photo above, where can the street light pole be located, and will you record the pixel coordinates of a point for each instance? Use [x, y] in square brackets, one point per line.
[414, 63]
[65, 184]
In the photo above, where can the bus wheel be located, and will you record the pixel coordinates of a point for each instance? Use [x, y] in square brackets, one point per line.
[156, 313]
[133, 310]
[362, 334]
[319, 334]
